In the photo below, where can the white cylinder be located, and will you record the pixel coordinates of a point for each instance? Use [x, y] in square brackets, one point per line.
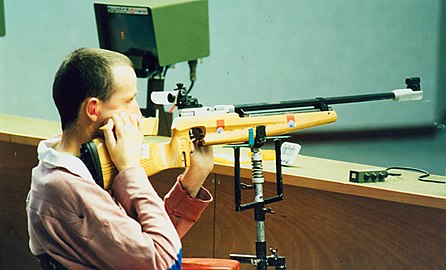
[164, 97]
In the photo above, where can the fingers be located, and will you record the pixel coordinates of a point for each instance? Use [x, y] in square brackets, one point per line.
[141, 124]
[202, 157]
[123, 138]
[204, 149]
[138, 122]
[125, 123]
[119, 121]
[109, 135]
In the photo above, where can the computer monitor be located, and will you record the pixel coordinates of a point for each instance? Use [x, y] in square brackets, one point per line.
[154, 33]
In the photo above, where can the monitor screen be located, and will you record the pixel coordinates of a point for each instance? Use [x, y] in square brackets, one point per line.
[154, 34]
[128, 30]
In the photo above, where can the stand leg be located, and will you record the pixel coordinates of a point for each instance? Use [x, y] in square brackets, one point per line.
[260, 260]
[259, 209]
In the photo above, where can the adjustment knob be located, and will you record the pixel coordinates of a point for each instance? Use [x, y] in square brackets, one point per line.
[366, 176]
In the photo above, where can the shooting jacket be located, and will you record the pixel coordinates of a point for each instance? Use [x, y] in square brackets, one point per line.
[82, 226]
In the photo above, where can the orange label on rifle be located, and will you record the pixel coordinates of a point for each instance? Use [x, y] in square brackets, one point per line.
[220, 126]
[290, 120]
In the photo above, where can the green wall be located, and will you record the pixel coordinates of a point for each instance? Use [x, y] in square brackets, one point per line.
[271, 50]
[261, 50]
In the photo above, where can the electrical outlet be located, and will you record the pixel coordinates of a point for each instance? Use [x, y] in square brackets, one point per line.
[360, 176]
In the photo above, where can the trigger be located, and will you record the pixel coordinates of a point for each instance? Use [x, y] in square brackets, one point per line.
[192, 146]
[196, 134]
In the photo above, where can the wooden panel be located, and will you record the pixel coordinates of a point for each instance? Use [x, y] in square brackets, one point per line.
[199, 241]
[323, 223]
[332, 175]
[16, 161]
[324, 230]
[26, 130]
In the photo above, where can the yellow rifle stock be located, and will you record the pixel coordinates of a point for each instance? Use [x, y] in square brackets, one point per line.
[218, 129]
[227, 125]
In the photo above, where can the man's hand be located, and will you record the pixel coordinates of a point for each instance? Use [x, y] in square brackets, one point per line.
[201, 165]
[123, 138]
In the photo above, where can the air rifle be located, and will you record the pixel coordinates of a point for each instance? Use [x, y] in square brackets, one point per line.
[225, 124]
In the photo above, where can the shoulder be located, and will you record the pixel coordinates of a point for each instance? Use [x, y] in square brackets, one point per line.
[60, 186]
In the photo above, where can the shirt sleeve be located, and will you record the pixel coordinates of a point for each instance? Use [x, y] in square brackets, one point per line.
[183, 209]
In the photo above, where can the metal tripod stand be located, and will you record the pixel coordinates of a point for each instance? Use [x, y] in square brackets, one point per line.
[260, 260]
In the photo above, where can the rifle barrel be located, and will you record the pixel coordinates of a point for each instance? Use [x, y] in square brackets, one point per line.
[316, 103]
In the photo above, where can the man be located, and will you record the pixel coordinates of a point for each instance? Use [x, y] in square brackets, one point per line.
[74, 222]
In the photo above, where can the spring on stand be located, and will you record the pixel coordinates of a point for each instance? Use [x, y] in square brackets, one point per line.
[257, 166]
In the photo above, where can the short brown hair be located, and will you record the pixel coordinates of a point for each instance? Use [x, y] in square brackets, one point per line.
[84, 73]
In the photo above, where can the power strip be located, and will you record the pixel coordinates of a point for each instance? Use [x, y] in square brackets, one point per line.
[367, 176]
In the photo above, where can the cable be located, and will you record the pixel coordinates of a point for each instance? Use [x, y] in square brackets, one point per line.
[420, 178]
[190, 87]
[192, 73]
[165, 71]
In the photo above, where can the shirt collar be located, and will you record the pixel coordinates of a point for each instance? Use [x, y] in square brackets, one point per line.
[51, 158]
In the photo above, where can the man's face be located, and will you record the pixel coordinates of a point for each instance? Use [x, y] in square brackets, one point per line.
[124, 93]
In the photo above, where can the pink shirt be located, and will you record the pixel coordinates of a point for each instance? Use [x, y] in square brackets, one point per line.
[84, 227]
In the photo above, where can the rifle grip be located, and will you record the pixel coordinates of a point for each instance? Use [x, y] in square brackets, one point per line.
[184, 146]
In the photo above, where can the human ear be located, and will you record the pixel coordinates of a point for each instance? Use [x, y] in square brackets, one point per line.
[92, 109]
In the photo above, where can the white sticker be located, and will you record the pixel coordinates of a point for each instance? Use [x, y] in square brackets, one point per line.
[145, 151]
